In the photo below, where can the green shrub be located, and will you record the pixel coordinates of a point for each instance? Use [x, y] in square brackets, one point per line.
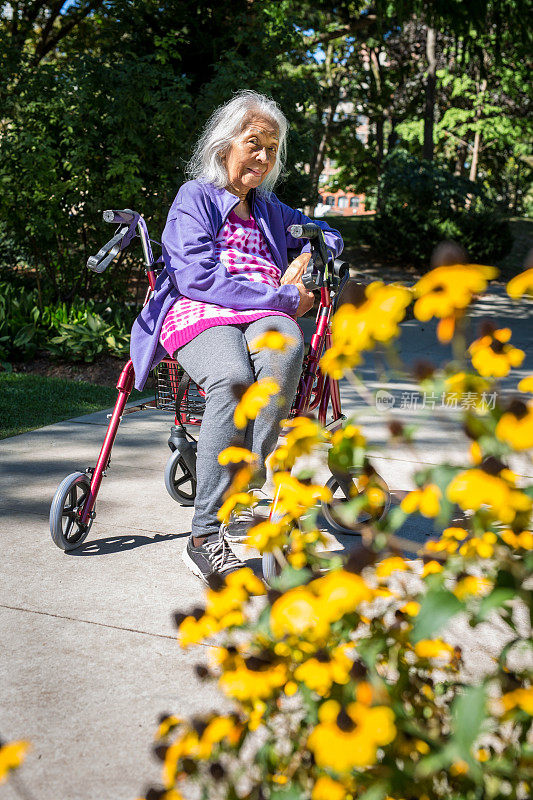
[421, 204]
[79, 332]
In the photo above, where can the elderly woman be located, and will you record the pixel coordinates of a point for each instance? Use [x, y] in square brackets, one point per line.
[226, 281]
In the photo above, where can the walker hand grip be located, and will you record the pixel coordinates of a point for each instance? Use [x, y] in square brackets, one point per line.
[306, 231]
[118, 217]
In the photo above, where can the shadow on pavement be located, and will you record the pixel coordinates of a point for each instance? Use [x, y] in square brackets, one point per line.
[117, 544]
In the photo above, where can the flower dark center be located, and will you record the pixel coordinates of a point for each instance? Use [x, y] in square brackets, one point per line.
[518, 409]
[345, 722]
[497, 346]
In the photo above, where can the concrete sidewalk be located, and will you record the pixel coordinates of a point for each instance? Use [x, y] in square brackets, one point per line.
[89, 653]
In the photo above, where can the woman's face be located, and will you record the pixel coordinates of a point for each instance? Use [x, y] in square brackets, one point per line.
[252, 155]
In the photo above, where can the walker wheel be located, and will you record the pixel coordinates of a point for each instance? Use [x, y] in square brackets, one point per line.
[65, 526]
[181, 485]
[271, 568]
[377, 492]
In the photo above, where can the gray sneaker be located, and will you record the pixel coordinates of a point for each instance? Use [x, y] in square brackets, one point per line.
[213, 556]
[236, 531]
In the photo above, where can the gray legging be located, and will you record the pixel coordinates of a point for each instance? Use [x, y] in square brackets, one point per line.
[215, 359]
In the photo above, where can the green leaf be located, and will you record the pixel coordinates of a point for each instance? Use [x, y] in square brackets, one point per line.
[288, 793]
[436, 609]
[496, 599]
[376, 792]
[290, 578]
[468, 712]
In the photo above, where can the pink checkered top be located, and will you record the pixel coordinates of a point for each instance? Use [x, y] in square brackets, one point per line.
[241, 248]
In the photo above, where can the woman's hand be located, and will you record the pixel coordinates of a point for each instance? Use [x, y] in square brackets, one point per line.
[306, 300]
[296, 269]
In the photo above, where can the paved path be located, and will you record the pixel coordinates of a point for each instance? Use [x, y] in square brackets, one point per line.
[89, 657]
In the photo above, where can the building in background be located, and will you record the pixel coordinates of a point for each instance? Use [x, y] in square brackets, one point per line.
[342, 203]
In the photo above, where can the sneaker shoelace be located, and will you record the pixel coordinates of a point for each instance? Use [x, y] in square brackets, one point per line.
[221, 555]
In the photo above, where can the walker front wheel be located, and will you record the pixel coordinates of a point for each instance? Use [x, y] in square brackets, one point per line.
[180, 483]
[67, 506]
[373, 490]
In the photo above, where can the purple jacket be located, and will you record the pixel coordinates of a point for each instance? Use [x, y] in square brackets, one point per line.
[195, 218]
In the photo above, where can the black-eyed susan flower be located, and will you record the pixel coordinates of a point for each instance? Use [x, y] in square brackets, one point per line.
[303, 434]
[336, 362]
[522, 540]
[479, 546]
[515, 426]
[347, 738]
[474, 488]
[235, 502]
[448, 289]
[493, 356]
[470, 386]
[519, 698]
[521, 284]
[431, 568]
[340, 592]
[327, 788]
[256, 397]
[193, 631]
[247, 685]
[433, 648]
[12, 755]
[299, 613]
[294, 498]
[272, 340]
[471, 586]
[426, 501]
[324, 669]
[389, 565]
[526, 385]
[267, 536]
[236, 455]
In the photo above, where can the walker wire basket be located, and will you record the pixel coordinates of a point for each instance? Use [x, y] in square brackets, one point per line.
[168, 375]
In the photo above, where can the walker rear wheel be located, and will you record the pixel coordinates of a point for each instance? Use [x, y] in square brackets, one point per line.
[65, 526]
[373, 488]
[180, 483]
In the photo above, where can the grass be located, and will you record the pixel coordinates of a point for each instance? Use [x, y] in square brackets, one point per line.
[32, 401]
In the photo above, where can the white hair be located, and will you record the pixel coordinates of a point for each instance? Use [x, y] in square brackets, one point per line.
[223, 126]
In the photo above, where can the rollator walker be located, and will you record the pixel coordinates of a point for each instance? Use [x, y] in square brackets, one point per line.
[72, 512]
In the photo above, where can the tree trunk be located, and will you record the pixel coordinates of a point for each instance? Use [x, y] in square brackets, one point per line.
[477, 137]
[429, 107]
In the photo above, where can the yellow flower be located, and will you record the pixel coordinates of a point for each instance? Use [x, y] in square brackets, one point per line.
[272, 340]
[493, 356]
[167, 725]
[479, 546]
[341, 592]
[293, 498]
[390, 565]
[12, 755]
[523, 539]
[515, 427]
[447, 290]
[185, 746]
[526, 384]
[470, 384]
[482, 754]
[425, 500]
[385, 309]
[335, 361]
[521, 698]
[235, 501]
[236, 455]
[248, 684]
[350, 434]
[326, 788]
[411, 608]
[299, 613]
[433, 648]
[267, 536]
[192, 631]
[459, 768]
[246, 579]
[521, 284]
[256, 397]
[471, 585]
[303, 435]
[474, 488]
[352, 738]
[321, 671]
[431, 568]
